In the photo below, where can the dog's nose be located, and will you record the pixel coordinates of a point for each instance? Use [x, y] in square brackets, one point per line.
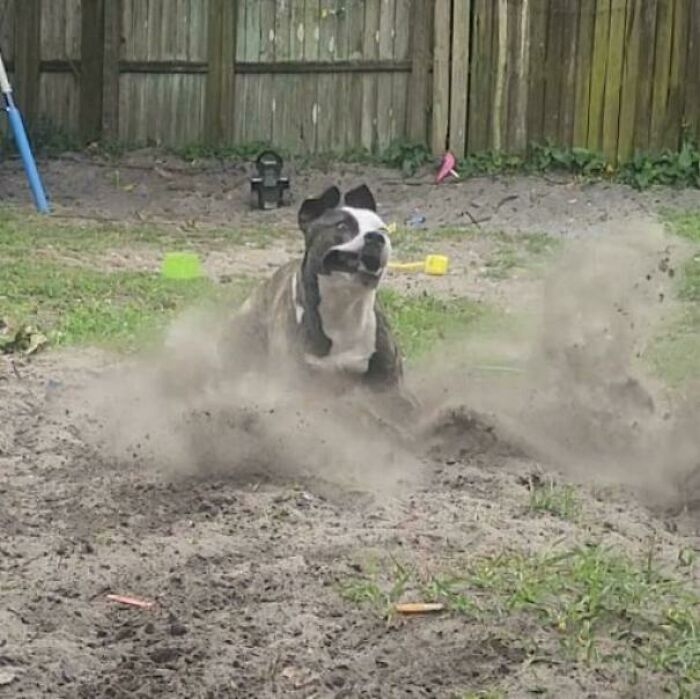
[375, 238]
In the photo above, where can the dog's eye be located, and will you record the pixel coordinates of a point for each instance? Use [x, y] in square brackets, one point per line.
[342, 226]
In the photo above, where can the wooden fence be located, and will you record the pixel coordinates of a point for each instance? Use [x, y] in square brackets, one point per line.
[337, 75]
[613, 76]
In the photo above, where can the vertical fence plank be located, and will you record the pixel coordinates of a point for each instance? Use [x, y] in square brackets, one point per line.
[252, 128]
[304, 48]
[213, 111]
[553, 72]
[7, 29]
[567, 101]
[662, 72]
[298, 121]
[268, 84]
[518, 94]
[229, 98]
[110, 69]
[421, 27]
[461, 20]
[583, 72]
[642, 117]
[27, 56]
[441, 75]
[613, 77]
[341, 86]
[674, 113]
[370, 51]
[312, 31]
[355, 20]
[500, 66]
[326, 25]
[295, 18]
[284, 132]
[399, 81]
[630, 78]
[539, 11]
[476, 118]
[219, 96]
[386, 52]
[91, 73]
[599, 60]
[691, 114]
[241, 82]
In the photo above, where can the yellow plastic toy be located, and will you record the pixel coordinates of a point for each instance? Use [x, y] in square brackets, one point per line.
[181, 265]
[435, 265]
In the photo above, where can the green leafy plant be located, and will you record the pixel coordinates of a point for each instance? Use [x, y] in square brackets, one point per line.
[668, 168]
[406, 156]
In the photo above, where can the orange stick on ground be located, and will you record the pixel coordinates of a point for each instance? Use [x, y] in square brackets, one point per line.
[419, 607]
[132, 601]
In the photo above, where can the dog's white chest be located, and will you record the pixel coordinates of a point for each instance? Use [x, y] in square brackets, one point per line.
[347, 316]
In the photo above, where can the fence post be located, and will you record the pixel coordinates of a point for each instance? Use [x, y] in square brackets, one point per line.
[112, 17]
[441, 75]
[418, 104]
[27, 56]
[91, 69]
[220, 98]
[461, 19]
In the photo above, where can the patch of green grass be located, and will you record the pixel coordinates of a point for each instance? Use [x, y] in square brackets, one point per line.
[689, 286]
[675, 352]
[379, 595]
[23, 233]
[685, 223]
[74, 305]
[420, 322]
[591, 605]
[521, 251]
[51, 279]
[557, 500]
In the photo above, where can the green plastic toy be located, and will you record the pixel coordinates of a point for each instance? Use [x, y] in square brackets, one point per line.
[181, 265]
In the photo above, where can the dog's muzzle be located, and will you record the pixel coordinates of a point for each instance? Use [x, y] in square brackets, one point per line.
[366, 254]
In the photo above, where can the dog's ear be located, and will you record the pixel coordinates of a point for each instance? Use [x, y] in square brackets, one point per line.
[312, 208]
[361, 198]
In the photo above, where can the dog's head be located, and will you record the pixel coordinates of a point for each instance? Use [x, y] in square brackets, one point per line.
[349, 239]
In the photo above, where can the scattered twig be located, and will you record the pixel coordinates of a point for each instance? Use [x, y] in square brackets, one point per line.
[505, 200]
[131, 601]
[476, 221]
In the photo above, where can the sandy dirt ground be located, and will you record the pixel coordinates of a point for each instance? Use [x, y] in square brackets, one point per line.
[246, 566]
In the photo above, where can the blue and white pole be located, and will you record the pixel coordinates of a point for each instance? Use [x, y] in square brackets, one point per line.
[20, 136]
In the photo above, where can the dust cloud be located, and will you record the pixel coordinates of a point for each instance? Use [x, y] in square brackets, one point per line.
[187, 411]
[569, 388]
[575, 391]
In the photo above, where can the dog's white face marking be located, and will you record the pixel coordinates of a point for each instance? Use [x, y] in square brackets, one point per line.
[298, 308]
[348, 321]
[367, 222]
[346, 306]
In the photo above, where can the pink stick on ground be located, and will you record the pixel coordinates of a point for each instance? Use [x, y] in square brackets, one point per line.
[132, 601]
